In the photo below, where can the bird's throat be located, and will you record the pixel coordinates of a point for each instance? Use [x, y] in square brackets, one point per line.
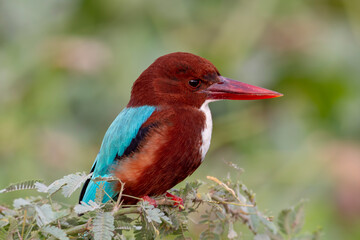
[207, 130]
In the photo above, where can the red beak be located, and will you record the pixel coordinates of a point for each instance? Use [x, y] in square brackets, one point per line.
[235, 90]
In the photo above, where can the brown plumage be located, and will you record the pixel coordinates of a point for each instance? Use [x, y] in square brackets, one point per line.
[172, 141]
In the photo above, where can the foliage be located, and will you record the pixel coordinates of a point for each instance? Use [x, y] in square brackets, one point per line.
[226, 206]
[20, 186]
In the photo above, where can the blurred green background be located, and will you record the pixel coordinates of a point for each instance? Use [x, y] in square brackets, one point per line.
[66, 70]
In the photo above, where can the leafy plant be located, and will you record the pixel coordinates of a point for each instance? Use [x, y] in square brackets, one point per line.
[224, 206]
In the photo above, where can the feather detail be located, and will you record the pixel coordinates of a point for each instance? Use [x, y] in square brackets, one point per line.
[117, 139]
[169, 153]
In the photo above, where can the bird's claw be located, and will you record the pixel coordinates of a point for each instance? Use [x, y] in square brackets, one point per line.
[178, 201]
[150, 200]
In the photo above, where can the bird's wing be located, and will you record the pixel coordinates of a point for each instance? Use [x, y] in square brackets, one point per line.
[122, 138]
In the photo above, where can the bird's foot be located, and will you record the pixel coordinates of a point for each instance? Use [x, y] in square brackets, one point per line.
[178, 201]
[150, 200]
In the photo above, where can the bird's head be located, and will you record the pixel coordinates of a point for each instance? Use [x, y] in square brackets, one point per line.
[186, 79]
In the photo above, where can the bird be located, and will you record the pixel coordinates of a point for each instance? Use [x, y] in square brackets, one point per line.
[164, 133]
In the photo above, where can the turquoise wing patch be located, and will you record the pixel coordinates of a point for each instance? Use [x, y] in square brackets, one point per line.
[117, 138]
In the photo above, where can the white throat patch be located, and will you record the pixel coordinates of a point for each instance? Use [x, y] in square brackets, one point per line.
[206, 132]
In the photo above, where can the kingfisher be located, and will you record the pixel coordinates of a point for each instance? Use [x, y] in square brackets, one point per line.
[164, 133]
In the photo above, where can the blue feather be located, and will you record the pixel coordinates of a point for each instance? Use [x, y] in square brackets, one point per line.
[117, 138]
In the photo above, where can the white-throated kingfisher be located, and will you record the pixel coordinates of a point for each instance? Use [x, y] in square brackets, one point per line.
[163, 134]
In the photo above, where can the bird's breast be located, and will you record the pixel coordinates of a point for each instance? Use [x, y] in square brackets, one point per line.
[170, 152]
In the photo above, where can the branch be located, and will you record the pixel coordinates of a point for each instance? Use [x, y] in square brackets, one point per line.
[239, 213]
[87, 226]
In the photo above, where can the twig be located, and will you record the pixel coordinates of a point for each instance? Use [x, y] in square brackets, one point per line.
[23, 225]
[119, 202]
[18, 233]
[219, 200]
[111, 199]
[123, 211]
[224, 186]
[129, 196]
[239, 213]
[79, 229]
[85, 227]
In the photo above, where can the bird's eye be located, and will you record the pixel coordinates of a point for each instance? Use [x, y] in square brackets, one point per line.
[194, 83]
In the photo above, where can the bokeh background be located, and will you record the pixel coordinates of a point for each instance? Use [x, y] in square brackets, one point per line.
[66, 70]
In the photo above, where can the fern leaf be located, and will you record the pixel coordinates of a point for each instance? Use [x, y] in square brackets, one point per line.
[73, 182]
[285, 221]
[20, 202]
[56, 232]
[3, 234]
[103, 226]
[45, 215]
[52, 188]
[142, 233]
[155, 214]
[106, 178]
[20, 186]
[40, 187]
[68, 184]
[86, 207]
[3, 222]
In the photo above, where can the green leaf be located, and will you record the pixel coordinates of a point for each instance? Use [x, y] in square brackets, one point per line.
[155, 214]
[52, 188]
[86, 207]
[9, 212]
[299, 220]
[292, 220]
[55, 231]
[20, 186]
[143, 234]
[122, 225]
[103, 226]
[254, 219]
[3, 234]
[20, 202]
[286, 217]
[40, 187]
[3, 222]
[45, 215]
[12, 227]
[231, 233]
[269, 224]
[69, 184]
[73, 182]
[34, 235]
